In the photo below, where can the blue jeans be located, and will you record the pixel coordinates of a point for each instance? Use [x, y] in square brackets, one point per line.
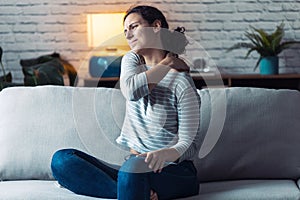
[86, 175]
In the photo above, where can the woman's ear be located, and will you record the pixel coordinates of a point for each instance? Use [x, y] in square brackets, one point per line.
[156, 26]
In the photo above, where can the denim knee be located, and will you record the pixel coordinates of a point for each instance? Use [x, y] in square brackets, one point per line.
[135, 165]
[133, 180]
[59, 161]
[133, 170]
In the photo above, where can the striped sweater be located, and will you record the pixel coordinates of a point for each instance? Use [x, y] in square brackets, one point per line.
[166, 117]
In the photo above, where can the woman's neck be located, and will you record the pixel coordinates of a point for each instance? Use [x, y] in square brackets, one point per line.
[153, 56]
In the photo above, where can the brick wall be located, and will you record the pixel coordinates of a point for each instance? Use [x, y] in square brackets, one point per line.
[36, 27]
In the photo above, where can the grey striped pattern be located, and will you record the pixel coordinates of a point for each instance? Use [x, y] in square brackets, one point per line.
[169, 116]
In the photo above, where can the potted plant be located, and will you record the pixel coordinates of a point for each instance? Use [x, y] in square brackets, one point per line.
[2, 67]
[5, 79]
[268, 46]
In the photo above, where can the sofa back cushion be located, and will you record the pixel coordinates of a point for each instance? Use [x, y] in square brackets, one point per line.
[37, 121]
[248, 133]
[256, 133]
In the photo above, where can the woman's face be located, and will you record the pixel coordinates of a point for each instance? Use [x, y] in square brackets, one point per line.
[139, 33]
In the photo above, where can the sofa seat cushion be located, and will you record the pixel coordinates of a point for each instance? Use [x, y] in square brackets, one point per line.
[250, 189]
[229, 190]
[37, 190]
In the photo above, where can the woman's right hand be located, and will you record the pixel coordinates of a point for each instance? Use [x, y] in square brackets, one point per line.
[172, 61]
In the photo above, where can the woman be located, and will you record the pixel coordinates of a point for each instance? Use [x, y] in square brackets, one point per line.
[161, 123]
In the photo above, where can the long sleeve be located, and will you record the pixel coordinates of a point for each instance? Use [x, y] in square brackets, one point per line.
[166, 117]
[133, 79]
[188, 124]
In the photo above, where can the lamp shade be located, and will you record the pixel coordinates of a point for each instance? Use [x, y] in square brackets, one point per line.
[105, 29]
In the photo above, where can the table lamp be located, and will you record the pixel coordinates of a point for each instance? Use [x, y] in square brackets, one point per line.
[105, 36]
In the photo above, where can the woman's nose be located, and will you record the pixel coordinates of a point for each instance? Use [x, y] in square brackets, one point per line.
[128, 35]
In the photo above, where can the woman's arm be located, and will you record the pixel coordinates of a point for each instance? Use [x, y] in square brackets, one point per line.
[158, 159]
[133, 79]
[188, 138]
[159, 71]
[188, 124]
[136, 84]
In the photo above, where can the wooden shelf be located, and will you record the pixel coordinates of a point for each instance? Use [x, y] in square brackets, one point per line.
[280, 81]
[110, 82]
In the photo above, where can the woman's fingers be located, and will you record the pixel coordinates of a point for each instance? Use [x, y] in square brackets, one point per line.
[148, 157]
[179, 64]
[153, 163]
[156, 166]
[162, 164]
[172, 54]
[142, 155]
[156, 160]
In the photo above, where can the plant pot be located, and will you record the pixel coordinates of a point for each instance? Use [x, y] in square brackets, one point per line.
[269, 65]
[6, 78]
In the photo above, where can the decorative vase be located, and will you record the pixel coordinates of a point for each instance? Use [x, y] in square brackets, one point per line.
[269, 65]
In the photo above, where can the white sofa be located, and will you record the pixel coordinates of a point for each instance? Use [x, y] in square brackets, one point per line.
[250, 140]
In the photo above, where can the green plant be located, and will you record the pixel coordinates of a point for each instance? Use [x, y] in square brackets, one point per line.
[5, 80]
[2, 67]
[263, 43]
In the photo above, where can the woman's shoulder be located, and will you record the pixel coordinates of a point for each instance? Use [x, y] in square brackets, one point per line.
[132, 56]
[181, 77]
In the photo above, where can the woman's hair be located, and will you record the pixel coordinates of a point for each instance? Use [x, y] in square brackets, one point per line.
[148, 13]
[172, 41]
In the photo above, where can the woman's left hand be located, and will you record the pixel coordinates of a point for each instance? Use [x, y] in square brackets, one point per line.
[157, 159]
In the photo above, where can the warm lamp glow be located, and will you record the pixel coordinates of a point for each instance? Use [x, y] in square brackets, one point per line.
[106, 29]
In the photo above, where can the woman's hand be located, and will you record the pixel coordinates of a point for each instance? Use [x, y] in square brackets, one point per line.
[171, 60]
[158, 159]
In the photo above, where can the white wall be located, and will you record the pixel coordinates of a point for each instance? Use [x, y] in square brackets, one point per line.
[35, 27]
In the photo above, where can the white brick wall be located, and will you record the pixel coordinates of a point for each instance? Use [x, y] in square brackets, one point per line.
[35, 27]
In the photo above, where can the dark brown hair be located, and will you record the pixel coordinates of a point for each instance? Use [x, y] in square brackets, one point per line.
[148, 13]
[172, 41]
